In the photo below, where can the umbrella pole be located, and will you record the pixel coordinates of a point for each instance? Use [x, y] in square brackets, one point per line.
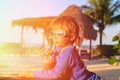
[43, 39]
[21, 39]
[90, 49]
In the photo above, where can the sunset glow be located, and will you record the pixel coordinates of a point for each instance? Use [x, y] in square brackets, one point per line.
[13, 10]
[16, 58]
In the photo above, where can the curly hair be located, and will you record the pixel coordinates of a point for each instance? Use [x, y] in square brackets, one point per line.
[67, 23]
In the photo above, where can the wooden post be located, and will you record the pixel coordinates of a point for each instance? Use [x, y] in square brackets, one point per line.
[43, 42]
[90, 49]
[21, 38]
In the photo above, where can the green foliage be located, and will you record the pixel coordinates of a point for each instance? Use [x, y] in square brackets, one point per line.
[106, 50]
[15, 48]
[112, 60]
[117, 38]
[10, 45]
[104, 12]
[11, 48]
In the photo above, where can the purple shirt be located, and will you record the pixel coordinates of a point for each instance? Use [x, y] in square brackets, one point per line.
[68, 66]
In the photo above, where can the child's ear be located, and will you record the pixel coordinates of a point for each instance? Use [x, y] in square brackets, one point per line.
[73, 37]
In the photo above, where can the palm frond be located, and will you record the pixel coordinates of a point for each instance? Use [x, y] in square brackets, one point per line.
[116, 19]
[115, 8]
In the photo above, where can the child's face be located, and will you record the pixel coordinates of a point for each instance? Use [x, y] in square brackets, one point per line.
[61, 38]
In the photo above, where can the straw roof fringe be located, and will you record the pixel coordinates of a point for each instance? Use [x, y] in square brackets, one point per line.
[40, 22]
[85, 22]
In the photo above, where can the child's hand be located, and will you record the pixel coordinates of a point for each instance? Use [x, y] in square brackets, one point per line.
[45, 52]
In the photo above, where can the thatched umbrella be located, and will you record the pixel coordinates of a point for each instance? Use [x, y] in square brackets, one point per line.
[35, 23]
[85, 22]
[40, 22]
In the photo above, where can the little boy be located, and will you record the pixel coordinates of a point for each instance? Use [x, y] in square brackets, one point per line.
[64, 31]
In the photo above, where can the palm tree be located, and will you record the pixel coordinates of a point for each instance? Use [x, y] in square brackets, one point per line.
[104, 12]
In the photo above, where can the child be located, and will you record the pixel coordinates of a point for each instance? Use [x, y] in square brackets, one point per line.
[64, 31]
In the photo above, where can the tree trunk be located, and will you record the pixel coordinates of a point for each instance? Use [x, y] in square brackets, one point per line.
[101, 32]
[101, 28]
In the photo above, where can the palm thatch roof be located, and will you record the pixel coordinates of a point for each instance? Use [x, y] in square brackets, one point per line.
[85, 22]
[40, 22]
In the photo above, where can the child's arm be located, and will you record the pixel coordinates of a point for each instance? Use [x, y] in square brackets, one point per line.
[59, 69]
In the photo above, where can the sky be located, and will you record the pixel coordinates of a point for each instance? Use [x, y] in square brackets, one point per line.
[16, 9]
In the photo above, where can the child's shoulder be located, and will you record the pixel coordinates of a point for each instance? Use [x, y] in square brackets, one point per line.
[69, 50]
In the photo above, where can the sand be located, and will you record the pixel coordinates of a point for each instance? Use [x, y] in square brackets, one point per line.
[103, 69]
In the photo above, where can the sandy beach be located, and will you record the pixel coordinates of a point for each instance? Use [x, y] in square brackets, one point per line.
[103, 69]
[12, 65]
